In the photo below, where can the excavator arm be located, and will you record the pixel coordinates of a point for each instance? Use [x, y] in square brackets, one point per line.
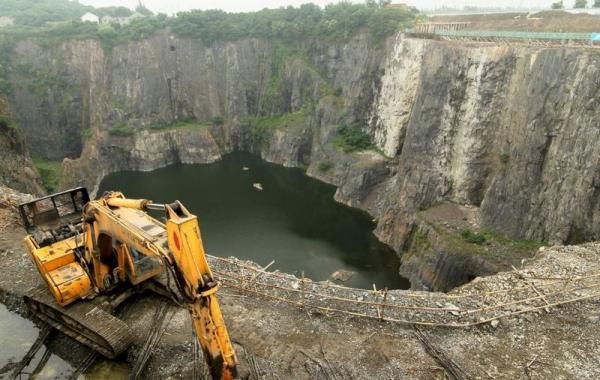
[122, 219]
[200, 289]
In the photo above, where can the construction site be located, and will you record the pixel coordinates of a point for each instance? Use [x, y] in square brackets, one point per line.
[535, 321]
[198, 196]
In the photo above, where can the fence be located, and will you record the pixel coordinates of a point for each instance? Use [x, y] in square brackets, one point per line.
[527, 294]
[509, 35]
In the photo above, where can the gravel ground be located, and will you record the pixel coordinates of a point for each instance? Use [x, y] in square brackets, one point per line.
[275, 340]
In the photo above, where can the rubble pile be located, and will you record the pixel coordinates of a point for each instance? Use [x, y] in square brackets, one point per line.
[9, 200]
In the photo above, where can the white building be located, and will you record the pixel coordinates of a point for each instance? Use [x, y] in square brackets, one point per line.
[119, 20]
[6, 21]
[90, 17]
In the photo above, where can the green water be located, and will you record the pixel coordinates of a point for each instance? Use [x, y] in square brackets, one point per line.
[293, 221]
[18, 334]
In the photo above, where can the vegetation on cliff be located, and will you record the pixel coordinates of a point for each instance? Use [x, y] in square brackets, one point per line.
[261, 127]
[50, 171]
[352, 138]
[41, 12]
[334, 22]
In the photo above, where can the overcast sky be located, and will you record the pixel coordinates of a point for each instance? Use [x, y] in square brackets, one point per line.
[173, 6]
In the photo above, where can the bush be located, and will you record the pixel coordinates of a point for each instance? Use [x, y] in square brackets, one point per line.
[504, 157]
[6, 122]
[86, 133]
[50, 172]
[259, 133]
[352, 138]
[5, 86]
[472, 237]
[121, 130]
[185, 122]
[217, 120]
[558, 5]
[324, 166]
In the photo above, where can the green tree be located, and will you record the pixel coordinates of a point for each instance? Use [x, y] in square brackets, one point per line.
[40, 12]
[580, 3]
[596, 4]
[217, 120]
[141, 9]
[113, 11]
[558, 5]
[335, 22]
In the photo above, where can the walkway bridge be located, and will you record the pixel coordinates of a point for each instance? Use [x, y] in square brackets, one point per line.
[458, 31]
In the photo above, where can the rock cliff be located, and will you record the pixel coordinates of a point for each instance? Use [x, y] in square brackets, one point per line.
[16, 168]
[512, 130]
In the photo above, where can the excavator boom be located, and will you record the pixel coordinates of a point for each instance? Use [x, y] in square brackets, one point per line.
[200, 289]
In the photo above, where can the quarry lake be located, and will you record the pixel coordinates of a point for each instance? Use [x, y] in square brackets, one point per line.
[293, 220]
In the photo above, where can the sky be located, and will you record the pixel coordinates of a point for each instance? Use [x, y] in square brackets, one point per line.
[174, 6]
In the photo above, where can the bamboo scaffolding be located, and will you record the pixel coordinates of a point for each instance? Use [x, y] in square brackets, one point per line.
[409, 322]
[476, 309]
[302, 292]
[407, 294]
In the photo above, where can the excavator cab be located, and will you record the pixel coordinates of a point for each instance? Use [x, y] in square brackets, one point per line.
[55, 217]
[55, 243]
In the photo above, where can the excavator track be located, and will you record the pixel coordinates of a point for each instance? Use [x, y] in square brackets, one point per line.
[83, 321]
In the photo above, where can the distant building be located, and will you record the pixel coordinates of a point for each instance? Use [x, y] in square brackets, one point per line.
[90, 17]
[120, 20]
[6, 21]
[397, 5]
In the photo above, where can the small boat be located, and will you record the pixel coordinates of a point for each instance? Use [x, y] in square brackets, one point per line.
[245, 168]
[258, 186]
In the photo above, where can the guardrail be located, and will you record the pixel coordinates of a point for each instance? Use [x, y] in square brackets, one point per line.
[487, 34]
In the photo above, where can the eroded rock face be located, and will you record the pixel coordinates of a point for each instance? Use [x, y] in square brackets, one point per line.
[512, 129]
[143, 151]
[16, 168]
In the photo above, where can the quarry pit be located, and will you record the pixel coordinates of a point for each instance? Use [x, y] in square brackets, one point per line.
[449, 229]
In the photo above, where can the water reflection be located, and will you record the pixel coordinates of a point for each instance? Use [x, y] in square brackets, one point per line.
[18, 334]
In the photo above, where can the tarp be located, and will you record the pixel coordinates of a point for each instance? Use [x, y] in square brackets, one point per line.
[595, 36]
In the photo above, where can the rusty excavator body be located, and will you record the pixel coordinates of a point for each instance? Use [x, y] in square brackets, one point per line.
[94, 254]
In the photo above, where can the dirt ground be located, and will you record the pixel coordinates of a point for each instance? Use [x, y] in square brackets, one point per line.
[277, 341]
[551, 21]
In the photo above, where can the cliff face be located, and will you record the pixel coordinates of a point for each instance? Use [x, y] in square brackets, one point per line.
[16, 168]
[512, 130]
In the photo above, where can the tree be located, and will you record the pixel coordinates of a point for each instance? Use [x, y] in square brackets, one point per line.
[141, 9]
[558, 5]
[580, 3]
[596, 4]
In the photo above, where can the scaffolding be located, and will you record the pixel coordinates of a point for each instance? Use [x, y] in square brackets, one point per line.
[434, 27]
[458, 31]
[528, 294]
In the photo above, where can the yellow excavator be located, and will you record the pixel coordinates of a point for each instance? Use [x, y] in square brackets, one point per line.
[95, 254]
